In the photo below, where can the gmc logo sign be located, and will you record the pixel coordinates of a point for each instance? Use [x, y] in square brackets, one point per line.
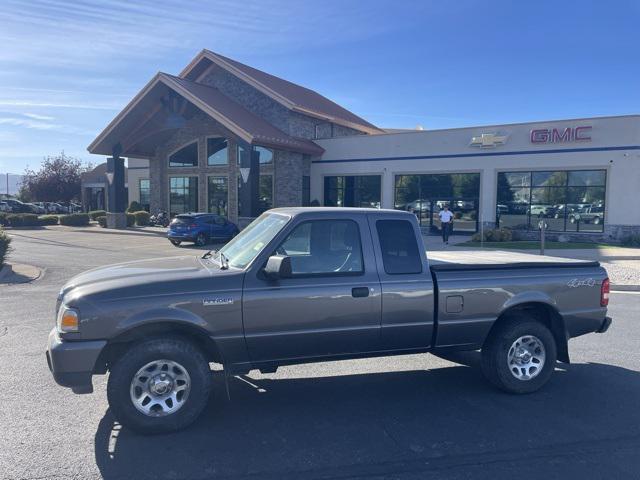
[555, 135]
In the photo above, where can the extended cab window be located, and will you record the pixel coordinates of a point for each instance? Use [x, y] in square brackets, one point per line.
[324, 247]
[400, 254]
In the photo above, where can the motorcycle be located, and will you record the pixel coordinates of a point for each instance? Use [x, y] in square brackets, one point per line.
[160, 220]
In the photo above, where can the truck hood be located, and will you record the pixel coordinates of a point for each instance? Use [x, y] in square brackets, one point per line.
[139, 272]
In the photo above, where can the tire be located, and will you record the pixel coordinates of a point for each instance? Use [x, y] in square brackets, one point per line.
[175, 242]
[201, 240]
[161, 351]
[496, 355]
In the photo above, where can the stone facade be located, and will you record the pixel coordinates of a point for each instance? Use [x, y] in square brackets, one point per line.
[288, 168]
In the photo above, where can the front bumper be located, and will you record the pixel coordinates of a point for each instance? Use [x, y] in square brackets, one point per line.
[185, 237]
[72, 363]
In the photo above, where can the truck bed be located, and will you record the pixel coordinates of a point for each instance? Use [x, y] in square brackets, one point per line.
[498, 259]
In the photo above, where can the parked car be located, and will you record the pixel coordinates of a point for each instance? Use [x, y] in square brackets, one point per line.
[305, 285]
[589, 214]
[16, 206]
[200, 228]
[35, 208]
[4, 207]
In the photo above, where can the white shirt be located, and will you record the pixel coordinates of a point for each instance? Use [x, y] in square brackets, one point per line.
[445, 216]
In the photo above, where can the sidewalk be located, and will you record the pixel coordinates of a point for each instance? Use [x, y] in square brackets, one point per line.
[622, 264]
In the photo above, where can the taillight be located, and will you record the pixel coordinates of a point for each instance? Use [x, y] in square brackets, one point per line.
[604, 292]
[193, 225]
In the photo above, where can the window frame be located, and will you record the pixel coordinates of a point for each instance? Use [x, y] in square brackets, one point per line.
[531, 219]
[184, 145]
[325, 274]
[140, 180]
[197, 193]
[226, 177]
[417, 245]
[206, 147]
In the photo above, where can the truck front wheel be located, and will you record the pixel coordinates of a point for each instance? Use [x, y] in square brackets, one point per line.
[159, 385]
[520, 355]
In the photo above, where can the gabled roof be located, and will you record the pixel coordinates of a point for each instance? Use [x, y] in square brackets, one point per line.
[231, 115]
[292, 96]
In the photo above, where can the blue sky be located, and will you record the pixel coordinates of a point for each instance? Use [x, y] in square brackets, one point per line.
[67, 68]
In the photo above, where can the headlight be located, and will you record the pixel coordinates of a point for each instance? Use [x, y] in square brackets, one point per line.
[68, 319]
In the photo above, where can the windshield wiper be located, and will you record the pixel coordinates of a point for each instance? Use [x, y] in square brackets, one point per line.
[209, 254]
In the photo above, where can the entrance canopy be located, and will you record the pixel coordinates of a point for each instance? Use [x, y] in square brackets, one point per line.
[167, 102]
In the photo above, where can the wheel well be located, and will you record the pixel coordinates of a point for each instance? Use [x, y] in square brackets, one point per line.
[118, 345]
[543, 313]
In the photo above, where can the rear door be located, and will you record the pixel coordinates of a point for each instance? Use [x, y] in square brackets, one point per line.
[405, 280]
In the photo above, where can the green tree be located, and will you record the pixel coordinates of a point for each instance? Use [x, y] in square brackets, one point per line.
[57, 179]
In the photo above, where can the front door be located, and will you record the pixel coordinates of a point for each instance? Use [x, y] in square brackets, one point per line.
[329, 307]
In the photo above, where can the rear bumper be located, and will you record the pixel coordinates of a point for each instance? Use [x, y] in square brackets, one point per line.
[605, 325]
[72, 363]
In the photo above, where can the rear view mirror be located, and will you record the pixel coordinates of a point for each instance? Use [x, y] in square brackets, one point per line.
[278, 266]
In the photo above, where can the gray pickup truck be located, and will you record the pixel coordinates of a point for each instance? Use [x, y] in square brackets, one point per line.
[307, 285]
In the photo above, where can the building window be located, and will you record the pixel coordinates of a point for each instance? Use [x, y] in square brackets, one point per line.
[183, 195]
[144, 188]
[217, 151]
[426, 195]
[306, 190]
[218, 195]
[265, 155]
[187, 156]
[353, 191]
[567, 200]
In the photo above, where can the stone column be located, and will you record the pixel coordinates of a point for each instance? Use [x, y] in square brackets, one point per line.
[116, 192]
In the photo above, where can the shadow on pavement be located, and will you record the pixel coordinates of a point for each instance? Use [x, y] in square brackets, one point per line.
[386, 423]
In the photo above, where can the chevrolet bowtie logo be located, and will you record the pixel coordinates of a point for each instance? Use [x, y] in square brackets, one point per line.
[488, 140]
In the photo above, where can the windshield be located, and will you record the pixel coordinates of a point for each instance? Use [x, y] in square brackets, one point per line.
[246, 246]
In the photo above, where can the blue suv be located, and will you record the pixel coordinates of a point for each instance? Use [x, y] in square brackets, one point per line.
[200, 228]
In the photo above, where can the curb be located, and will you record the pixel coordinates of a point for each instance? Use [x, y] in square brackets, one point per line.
[625, 288]
[5, 271]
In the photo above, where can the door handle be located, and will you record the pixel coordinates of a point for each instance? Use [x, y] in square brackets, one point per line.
[359, 292]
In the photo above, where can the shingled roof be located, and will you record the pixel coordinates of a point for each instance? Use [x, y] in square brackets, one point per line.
[291, 95]
[231, 115]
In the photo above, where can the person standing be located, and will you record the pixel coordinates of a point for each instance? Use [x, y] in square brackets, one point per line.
[446, 222]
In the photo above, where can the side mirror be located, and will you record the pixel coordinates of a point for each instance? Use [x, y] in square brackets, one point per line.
[278, 266]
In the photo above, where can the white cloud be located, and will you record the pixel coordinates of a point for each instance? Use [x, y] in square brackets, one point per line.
[36, 116]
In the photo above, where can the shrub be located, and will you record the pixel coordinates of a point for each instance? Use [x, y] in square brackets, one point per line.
[494, 235]
[134, 207]
[75, 220]
[48, 219]
[23, 220]
[3, 219]
[131, 219]
[142, 218]
[5, 242]
[632, 240]
[102, 221]
[94, 214]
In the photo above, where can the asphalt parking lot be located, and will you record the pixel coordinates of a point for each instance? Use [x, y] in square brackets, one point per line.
[403, 417]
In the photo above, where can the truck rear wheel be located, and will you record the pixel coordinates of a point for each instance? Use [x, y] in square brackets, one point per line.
[520, 355]
[159, 385]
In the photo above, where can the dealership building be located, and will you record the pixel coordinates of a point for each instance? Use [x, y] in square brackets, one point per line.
[226, 138]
